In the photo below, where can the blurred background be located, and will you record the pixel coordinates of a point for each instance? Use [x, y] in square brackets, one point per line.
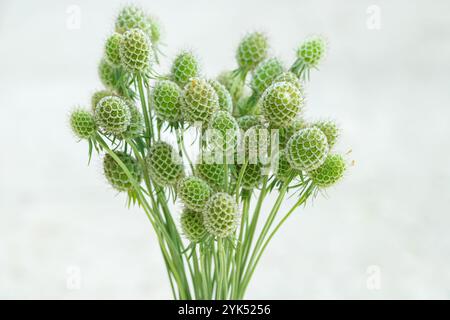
[383, 232]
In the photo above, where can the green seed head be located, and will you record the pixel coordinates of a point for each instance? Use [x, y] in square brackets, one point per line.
[192, 225]
[312, 51]
[83, 123]
[284, 167]
[330, 129]
[164, 164]
[281, 103]
[168, 101]
[225, 131]
[184, 67]
[155, 29]
[252, 176]
[201, 101]
[307, 149]
[291, 78]
[220, 215]
[252, 50]
[112, 49]
[265, 73]
[135, 51]
[225, 101]
[107, 74]
[117, 176]
[329, 172]
[234, 85]
[113, 115]
[248, 121]
[286, 133]
[136, 127]
[99, 95]
[212, 173]
[194, 192]
[131, 17]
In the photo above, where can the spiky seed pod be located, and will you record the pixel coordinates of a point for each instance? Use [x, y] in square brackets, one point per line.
[291, 78]
[168, 101]
[225, 131]
[329, 172]
[212, 173]
[113, 115]
[307, 149]
[312, 51]
[281, 103]
[192, 225]
[235, 86]
[252, 177]
[83, 123]
[112, 47]
[330, 129]
[225, 101]
[164, 164]
[265, 73]
[131, 17]
[184, 67]
[201, 101]
[117, 176]
[99, 95]
[107, 74]
[220, 215]
[252, 50]
[135, 51]
[194, 192]
[248, 121]
[155, 29]
[286, 133]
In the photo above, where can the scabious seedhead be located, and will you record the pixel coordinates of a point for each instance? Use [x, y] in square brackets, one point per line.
[252, 50]
[284, 169]
[225, 131]
[212, 173]
[155, 29]
[168, 101]
[194, 192]
[113, 115]
[307, 149]
[164, 164]
[135, 51]
[265, 73]
[312, 51]
[117, 176]
[136, 127]
[281, 103]
[330, 129]
[329, 172]
[192, 225]
[99, 95]
[235, 86]
[291, 78]
[225, 101]
[220, 215]
[83, 123]
[112, 48]
[252, 175]
[107, 74]
[184, 67]
[248, 121]
[201, 101]
[131, 17]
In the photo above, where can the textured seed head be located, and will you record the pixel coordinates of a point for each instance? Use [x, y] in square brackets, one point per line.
[107, 74]
[212, 173]
[192, 225]
[330, 129]
[234, 85]
[291, 78]
[131, 17]
[112, 46]
[312, 51]
[281, 103]
[284, 167]
[135, 50]
[225, 101]
[82, 123]
[265, 73]
[286, 133]
[99, 95]
[164, 164]
[307, 149]
[220, 215]
[252, 50]
[136, 127]
[117, 176]
[225, 131]
[155, 29]
[184, 67]
[329, 172]
[194, 192]
[252, 176]
[113, 115]
[168, 101]
[201, 101]
[248, 121]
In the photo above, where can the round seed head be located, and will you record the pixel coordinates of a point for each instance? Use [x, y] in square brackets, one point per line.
[99, 95]
[135, 51]
[307, 149]
[329, 172]
[117, 176]
[155, 29]
[291, 78]
[112, 49]
[330, 129]
[164, 164]
[131, 17]
[83, 124]
[113, 115]
[194, 192]
[212, 173]
[252, 177]
[284, 167]
[225, 131]
[107, 74]
[201, 101]
[192, 225]
[225, 101]
[265, 73]
[168, 100]
[252, 50]
[312, 51]
[248, 121]
[184, 67]
[281, 103]
[286, 133]
[136, 127]
[234, 85]
[220, 215]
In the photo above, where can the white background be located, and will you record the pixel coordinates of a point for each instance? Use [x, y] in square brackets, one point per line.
[389, 89]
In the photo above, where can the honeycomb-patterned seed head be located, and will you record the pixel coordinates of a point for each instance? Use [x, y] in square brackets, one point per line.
[291, 78]
[330, 129]
[192, 225]
[281, 103]
[135, 51]
[164, 164]
[117, 176]
[83, 123]
[194, 192]
[155, 29]
[265, 73]
[136, 127]
[284, 167]
[225, 132]
[201, 101]
[252, 50]
[221, 215]
[113, 115]
[112, 48]
[284, 134]
[248, 121]
[168, 101]
[184, 67]
[329, 172]
[131, 17]
[252, 177]
[107, 74]
[99, 95]
[225, 101]
[312, 51]
[307, 149]
[234, 85]
[212, 173]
